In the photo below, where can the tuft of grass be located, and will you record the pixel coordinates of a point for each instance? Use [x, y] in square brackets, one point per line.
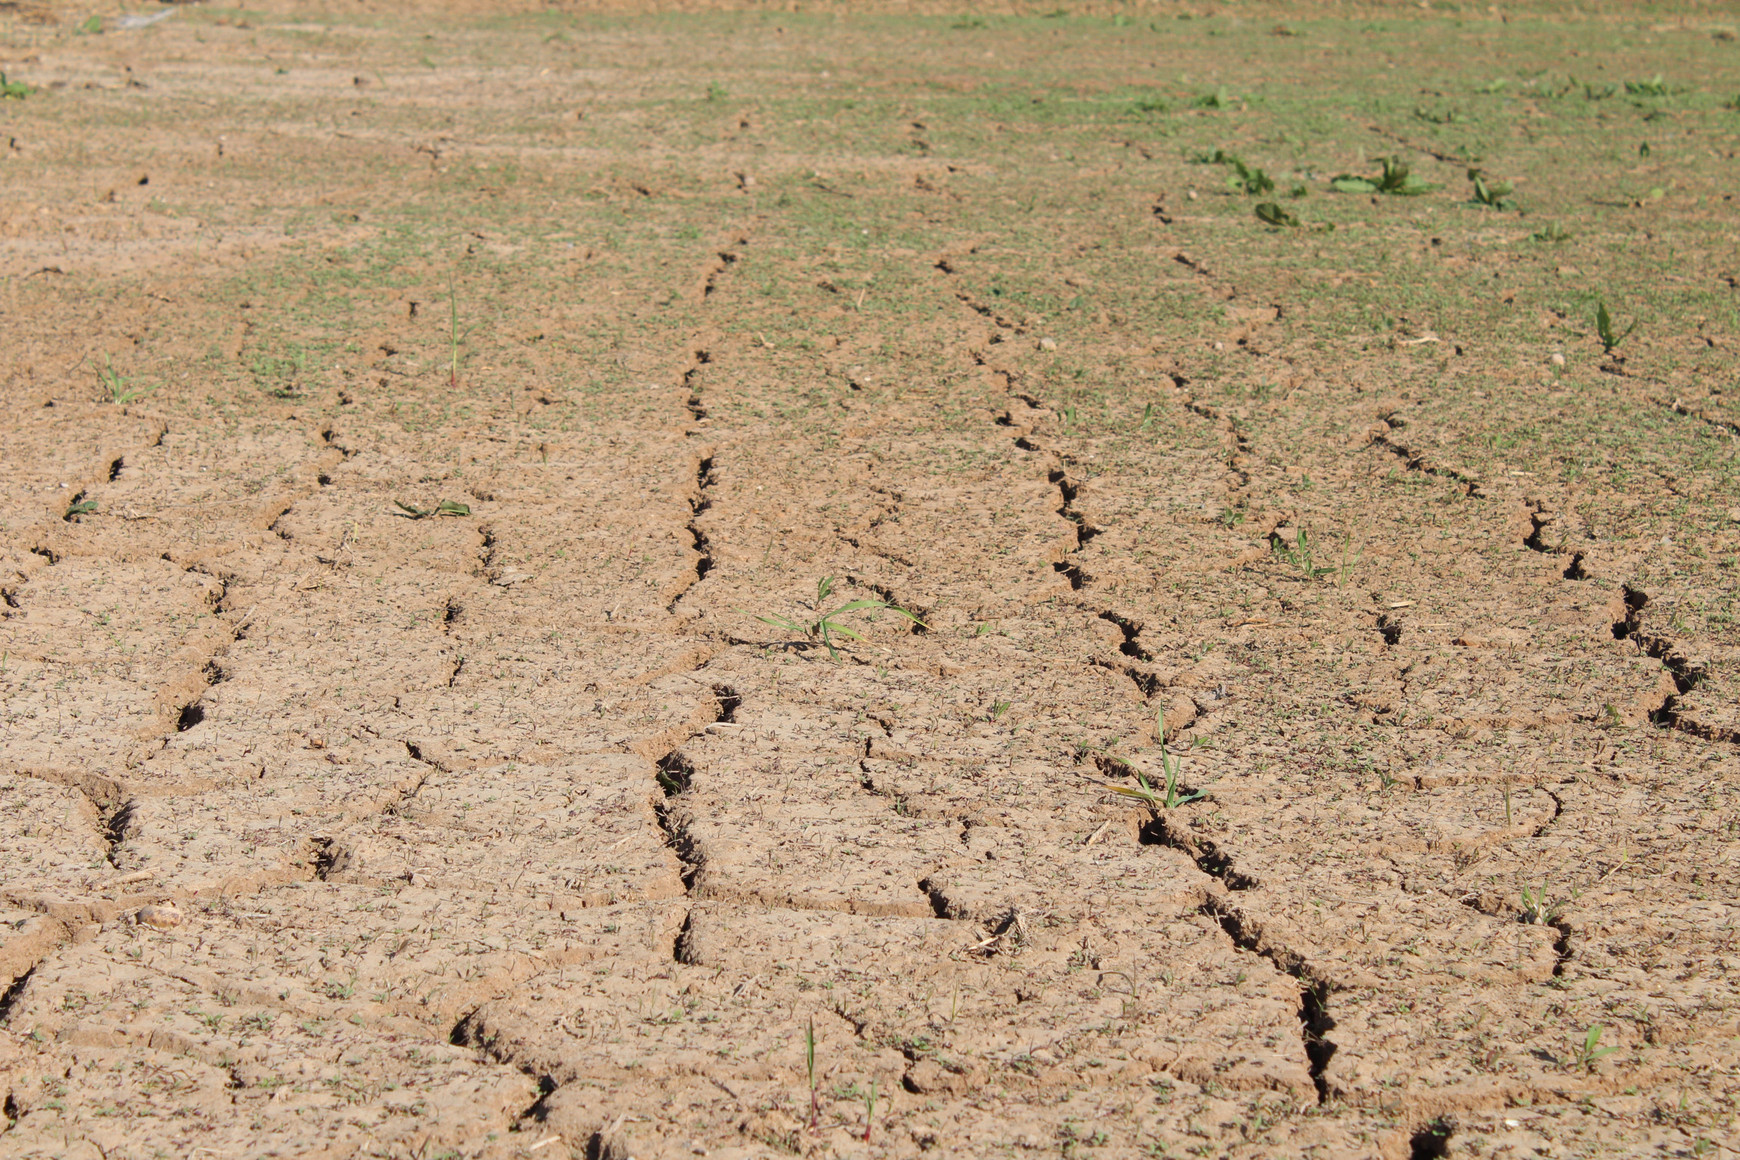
[445, 507]
[1551, 232]
[1653, 87]
[826, 625]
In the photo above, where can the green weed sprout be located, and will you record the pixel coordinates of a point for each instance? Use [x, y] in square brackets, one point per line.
[1271, 214]
[1300, 554]
[453, 333]
[1552, 232]
[1247, 179]
[1493, 194]
[826, 625]
[810, 1062]
[83, 507]
[1537, 910]
[869, 1110]
[1393, 179]
[12, 90]
[116, 388]
[1170, 767]
[1604, 329]
[446, 507]
[1590, 1050]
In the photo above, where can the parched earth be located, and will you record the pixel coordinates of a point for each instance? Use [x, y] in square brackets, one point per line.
[338, 823]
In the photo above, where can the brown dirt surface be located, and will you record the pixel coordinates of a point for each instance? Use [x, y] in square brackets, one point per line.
[610, 811]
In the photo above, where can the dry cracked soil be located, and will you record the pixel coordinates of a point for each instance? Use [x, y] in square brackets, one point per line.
[462, 462]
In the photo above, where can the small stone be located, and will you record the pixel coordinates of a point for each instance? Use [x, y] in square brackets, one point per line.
[317, 742]
[1048, 344]
[1557, 360]
[162, 915]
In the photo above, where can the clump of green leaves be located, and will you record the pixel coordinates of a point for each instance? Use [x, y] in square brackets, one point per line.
[1219, 99]
[1551, 232]
[826, 625]
[1653, 87]
[1151, 103]
[1607, 332]
[80, 507]
[90, 27]
[13, 90]
[1590, 1050]
[445, 507]
[1494, 194]
[1394, 178]
[1271, 214]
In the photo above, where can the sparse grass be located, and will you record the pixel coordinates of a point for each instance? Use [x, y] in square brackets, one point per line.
[1171, 795]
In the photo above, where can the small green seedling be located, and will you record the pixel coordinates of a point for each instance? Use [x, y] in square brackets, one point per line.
[1300, 554]
[12, 90]
[1653, 87]
[1551, 232]
[810, 1062]
[1492, 194]
[1247, 179]
[1271, 214]
[1219, 99]
[116, 388]
[83, 507]
[1394, 179]
[453, 333]
[998, 708]
[1605, 330]
[90, 27]
[869, 1110]
[826, 625]
[1170, 767]
[1537, 910]
[1590, 1050]
[446, 507]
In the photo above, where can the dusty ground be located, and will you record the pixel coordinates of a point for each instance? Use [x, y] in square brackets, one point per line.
[329, 831]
